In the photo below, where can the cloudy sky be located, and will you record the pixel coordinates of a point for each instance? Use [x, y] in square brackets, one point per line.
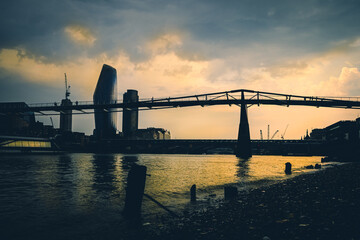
[173, 48]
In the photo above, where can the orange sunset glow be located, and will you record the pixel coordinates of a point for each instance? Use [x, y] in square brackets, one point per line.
[174, 59]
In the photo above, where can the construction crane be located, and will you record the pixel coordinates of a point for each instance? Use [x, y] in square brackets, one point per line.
[274, 134]
[67, 88]
[283, 135]
[261, 136]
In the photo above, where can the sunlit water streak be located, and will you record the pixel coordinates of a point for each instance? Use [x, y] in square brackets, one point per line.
[58, 192]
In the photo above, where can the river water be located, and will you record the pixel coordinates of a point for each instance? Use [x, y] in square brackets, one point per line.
[80, 195]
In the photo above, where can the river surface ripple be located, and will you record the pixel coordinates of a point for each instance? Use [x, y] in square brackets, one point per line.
[81, 195]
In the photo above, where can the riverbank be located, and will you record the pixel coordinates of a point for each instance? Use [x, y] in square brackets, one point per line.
[323, 205]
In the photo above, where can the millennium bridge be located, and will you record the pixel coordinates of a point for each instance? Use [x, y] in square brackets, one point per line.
[241, 97]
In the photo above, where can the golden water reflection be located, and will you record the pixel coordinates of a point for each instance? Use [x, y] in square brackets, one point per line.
[173, 175]
[94, 182]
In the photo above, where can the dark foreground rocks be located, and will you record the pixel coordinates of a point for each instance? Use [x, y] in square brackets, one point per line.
[323, 205]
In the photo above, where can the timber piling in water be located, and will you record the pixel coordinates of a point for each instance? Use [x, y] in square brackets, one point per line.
[193, 193]
[135, 191]
[288, 168]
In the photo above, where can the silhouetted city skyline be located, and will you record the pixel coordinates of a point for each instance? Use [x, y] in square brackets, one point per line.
[185, 48]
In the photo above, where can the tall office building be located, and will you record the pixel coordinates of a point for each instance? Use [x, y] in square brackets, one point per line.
[130, 115]
[105, 93]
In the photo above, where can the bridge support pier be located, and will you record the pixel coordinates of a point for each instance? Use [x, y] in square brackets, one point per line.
[243, 147]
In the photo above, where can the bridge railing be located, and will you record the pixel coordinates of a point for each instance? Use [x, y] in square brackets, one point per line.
[353, 99]
[228, 97]
[202, 98]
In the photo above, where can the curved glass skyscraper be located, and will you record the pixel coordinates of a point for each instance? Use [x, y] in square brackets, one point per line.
[105, 92]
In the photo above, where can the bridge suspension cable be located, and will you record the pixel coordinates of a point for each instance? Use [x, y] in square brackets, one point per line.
[232, 97]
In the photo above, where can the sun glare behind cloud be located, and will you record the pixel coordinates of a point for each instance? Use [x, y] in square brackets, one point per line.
[80, 35]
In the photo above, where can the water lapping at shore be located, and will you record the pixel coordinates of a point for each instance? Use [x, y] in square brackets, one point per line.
[83, 194]
[323, 205]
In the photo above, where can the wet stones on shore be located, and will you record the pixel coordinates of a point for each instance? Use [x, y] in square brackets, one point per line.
[323, 205]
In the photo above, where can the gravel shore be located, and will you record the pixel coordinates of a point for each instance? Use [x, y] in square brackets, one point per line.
[321, 205]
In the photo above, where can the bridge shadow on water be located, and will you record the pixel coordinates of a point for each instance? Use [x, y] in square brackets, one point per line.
[243, 167]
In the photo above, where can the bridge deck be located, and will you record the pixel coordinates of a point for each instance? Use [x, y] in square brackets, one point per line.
[210, 99]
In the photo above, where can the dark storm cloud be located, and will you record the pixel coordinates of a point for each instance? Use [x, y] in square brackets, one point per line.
[38, 26]
[21, 21]
[309, 24]
[267, 45]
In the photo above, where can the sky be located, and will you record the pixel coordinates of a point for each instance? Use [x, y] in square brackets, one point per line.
[175, 48]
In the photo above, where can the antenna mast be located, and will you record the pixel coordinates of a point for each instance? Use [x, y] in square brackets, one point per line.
[67, 88]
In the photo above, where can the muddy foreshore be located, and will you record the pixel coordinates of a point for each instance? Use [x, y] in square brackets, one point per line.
[322, 205]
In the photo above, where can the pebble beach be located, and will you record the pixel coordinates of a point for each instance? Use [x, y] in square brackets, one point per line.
[320, 205]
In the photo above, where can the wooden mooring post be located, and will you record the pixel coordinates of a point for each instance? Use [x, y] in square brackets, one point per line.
[193, 193]
[287, 168]
[134, 191]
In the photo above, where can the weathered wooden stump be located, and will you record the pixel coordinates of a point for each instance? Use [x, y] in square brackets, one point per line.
[135, 191]
[193, 193]
[309, 167]
[288, 168]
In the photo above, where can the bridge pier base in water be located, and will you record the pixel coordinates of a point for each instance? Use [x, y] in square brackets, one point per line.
[243, 147]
